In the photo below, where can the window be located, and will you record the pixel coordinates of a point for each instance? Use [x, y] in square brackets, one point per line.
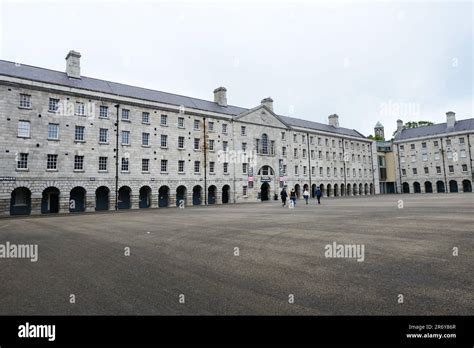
[295, 138]
[283, 151]
[244, 147]
[463, 153]
[125, 138]
[438, 170]
[412, 146]
[103, 111]
[53, 105]
[164, 166]
[211, 144]
[404, 172]
[464, 167]
[424, 156]
[102, 164]
[196, 143]
[450, 154]
[80, 109]
[145, 139]
[196, 124]
[272, 147]
[244, 191]
[52, 162]
[461, 140]
[328, 171]
[180, 166]
[224, 128]
[423, 145]
[451, 169]
[125, 114]
[180, 122]
[124, 164]
[146, 117]
[164, 120]
[326, 141]
[24, 129]
[282, 135]
[296, 170]
[435, 143]
[25, 101]
[321, 171]
[211, 126]
[413, 158]
[448, 141]
[164, 140]
[303, 138]
[304, 170]
[244, 168]
[22, 162]
[295, 153]
[79, 133]
[284, 169]
[402, 159]
[180, 142]
[304, 153]
[211, 167]
[197, 167]
[224, 146]
[53, 131]
[311, 140]
[319, 141]
[427, 170]
[436, 155]
[103, 135]
[320, 155]
[145, 165]
[333, 143]
[243, 130]
[226, 168]
[78, 162]
[402, 148]
[264, 144]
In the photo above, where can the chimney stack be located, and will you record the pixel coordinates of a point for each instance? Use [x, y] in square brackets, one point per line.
[220, 96]
[268, 102]
[73, 64]
[450, 119]
[333, 120]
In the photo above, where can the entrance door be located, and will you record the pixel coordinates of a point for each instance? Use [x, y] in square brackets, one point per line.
[265, 192]
[53, 202]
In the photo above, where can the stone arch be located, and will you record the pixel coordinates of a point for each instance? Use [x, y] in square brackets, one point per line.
[225, 194]
[124, 197]
[428, 187]
[102, 198]
[361, 190]
[416, 187]
[163, 196]
[77, 199]
[20, 202]
[466, 186]
[181, 195]
[144, 197]
[50, 200]
[453, 186]
[328, 190]
[405, 187]
[336, 190]
[366, 189]
[297, 190]
[440, 186]
[197, 195]
[211, 194]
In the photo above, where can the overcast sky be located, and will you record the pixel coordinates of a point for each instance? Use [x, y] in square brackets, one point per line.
[367, 62]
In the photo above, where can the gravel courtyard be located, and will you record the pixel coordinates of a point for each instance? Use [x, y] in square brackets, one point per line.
[280, 256]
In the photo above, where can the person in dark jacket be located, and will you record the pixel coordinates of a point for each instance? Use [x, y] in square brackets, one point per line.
[284, 196]
[318, 195]
[293, 196]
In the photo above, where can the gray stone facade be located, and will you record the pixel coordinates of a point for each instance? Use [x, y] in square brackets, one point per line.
[436, 158]
[337, 159]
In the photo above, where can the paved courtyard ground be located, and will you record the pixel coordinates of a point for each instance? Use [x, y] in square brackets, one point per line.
[190, 251]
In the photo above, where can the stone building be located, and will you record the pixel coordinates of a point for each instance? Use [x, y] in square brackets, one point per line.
[436, 158]
[73, 143]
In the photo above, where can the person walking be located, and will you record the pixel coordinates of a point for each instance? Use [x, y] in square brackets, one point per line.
[284, 196]
[318, 194]
[306, 195]
[293, 196]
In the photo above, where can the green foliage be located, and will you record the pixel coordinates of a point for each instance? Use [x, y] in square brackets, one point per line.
[376, 137]
[416, 124]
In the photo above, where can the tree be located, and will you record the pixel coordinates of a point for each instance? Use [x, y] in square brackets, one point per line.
[416, 124]
[376, 137]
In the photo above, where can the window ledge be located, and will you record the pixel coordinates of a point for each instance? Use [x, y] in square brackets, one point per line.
[102, 143]
[125, 144]
[79, 141]
[25, 108]
[146, 145]
[51, 170]
[22, 170]
[163, 125]
[164, 173]
[21, 137]
[53, 139]
[125, 171]
[124, 120]
[103, 171]
[79, 171]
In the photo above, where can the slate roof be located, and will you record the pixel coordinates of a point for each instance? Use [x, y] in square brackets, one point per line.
[91, 84]
[440, 128]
